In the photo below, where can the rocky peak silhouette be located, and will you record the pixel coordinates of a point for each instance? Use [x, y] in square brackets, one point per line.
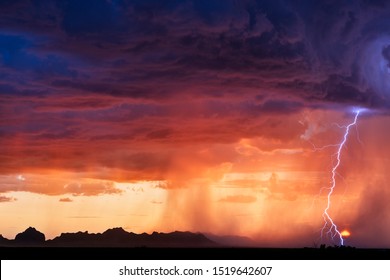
[30, 235]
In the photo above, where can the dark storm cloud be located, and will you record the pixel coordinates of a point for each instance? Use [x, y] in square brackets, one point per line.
[127, 72]
[155, 49]
[270, 44]
[21, 53]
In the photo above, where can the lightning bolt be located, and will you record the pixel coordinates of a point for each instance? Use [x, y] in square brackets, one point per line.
[329, 223]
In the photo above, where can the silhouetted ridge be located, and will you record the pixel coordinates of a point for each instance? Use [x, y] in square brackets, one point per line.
[116, 231]
[231, 240]
[3, 240]
[30, 235]
[177, 237]
[117, 234]
[118, 237]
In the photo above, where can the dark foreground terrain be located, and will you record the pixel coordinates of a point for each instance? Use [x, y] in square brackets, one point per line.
[119, 244]
[202, 253]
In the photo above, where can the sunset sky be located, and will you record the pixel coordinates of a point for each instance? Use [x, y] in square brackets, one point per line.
[207, 116]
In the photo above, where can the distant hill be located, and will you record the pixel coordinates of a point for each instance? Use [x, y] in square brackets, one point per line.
[232, 240]
[115, 237]
[30, 235]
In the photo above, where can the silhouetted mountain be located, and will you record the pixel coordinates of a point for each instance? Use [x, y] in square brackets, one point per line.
[4, 241]
[232, 240]
[118, 237]
[30, 235]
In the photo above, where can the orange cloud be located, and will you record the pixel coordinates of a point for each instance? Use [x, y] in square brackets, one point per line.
[58, 183]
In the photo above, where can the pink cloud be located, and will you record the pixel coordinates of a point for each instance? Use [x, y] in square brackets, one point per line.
[66, 199]
[7, 199]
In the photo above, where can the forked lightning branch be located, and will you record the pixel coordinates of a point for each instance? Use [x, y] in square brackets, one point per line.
[330, 228]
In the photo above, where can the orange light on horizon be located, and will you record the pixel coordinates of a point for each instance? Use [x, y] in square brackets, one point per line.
[345, 233]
